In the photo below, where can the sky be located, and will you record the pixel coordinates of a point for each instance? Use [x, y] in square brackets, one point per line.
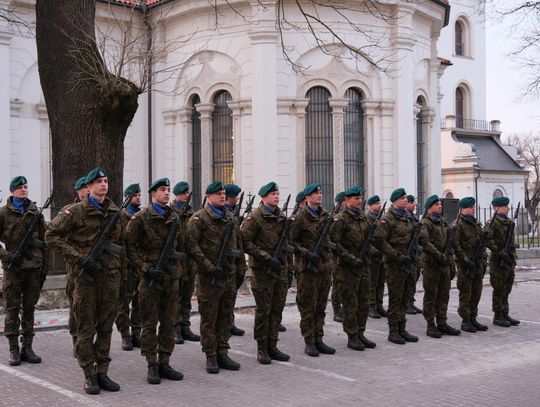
[505, 82]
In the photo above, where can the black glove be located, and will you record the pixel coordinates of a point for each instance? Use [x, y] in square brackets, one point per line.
[14, 259]
[506, 258]
[405, 259]
[469, 263]
[358, 262]
[443, 260]
[154, 273]
[88, 264]
[273, 263]
[239, 280]
[218, 272]
[313, 258]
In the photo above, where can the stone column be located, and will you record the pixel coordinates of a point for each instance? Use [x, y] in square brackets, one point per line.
[206, 109]
[182, 146]
[238, 111]
[165, 164]
[5, 125]
[388, 150]
[338, 106]
[299, 109]
[372, 147]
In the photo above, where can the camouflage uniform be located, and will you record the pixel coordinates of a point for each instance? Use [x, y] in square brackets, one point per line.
[74, 232]
[261, 232]
[392, 237]
[469, 282]
[313, 288]
[205, 232]
[21, 287]
[145, 237]
[129, 317]
[377, 275]
[348, 233]
[501, 277]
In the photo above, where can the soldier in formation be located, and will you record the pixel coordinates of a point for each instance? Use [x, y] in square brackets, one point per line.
[411, 209]
[375, 265]
[335, 296]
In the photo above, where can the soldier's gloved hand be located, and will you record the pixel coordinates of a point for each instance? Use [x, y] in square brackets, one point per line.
[313, 258]
[373, 251]
[88, 264]
[272, 263]
[358, 262]
[443, 261]
[14, 259]
[218, 272]
[469, 263]
[154, 273]
[419, 249]
[405, 259]
[506, 257]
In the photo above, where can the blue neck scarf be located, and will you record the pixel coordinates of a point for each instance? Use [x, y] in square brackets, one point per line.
[353, 211]
[19, 204]
[274, 211]
[402, 212]
[436, 217]
[502, 216]
[314, 211]
[95, 203]
[217, 211]
[179, 204]
[469, 218]
[132, 210]
[373, 214]
[230, 208]
[161, 211]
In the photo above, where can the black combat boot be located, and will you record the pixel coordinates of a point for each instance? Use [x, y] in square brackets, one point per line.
[418, 310]
[477, 325]
[382, 312]
[237, 331]
[368, 344]
[338, 314]
[28, 355]
[153, 374]
[276, 354]
[374, 313]
[225, 362]
[105, 383]
[311, 350]
[136, 339]
[282, 328]
[189, 335]
[91, 385]
[446, 329]
[14, 352]
[167, 372]
[178, 339]
[432, 331]
[411, 310]
[500, 320]
[354, 343]
[512, 321]
[396, 338]
[405, 335]
[263, 357]
[324, 348]
[127, 343]
[467, 326]
[212, 365]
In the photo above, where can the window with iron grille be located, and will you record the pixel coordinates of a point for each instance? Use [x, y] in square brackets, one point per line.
[460, 36]
[196, 197]
[353, 139]
[319, 143]
[460, 107]
[222, 139]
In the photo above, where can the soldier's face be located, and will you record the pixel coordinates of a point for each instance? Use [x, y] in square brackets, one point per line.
[231, 200]
[271, 199]
[136, 199]
[182, 197]
[470, 211]
[436, 208]
[354, 202]
[99, 187]
[21, 192]
[217, 199]
[503, 210]
[161, 195]
[411, 206]
[400, 203]
[315, 199]
[83, 192]
[376, 207]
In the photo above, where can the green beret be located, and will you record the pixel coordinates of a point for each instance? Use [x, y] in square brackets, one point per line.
[466, 202]
[432, 200]
[162, 182]
[214, 187]
[17, 182]
[300, 196]
[311, 188]
[354, 191]
[266, 189]
[373, 199]
[81, 182]
[410, 198]
[180, 188]
[500, 201]
[398, 193]
[132, 190]
[340, 197]
[96, 173]
[232, 190]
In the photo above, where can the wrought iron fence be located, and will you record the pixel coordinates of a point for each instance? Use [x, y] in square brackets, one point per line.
[468, 124]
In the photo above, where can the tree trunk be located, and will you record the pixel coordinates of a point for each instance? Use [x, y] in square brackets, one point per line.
[88, 119]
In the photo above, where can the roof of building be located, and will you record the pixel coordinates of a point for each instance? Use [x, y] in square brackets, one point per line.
[491, 155]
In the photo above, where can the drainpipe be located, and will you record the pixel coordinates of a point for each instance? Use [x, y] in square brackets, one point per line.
[477, 168]
[149, 30]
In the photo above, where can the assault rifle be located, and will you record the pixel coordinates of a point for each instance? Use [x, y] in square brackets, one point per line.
[103, 242]
[27, 239]
[448, 246]
[369, 236]
[167, 251]
[412, 248]
[204, 201]
[323, 237]
[283, 244]
[248, 210]
[224, 251]
[480, 248]
[507, 251]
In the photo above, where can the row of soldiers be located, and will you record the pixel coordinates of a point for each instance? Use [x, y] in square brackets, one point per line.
[126, 261]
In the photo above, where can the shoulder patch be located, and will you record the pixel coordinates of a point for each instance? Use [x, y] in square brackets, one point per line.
[335, 219]
[248, 218]
[66, 212]
[133, 217]
[383, 221]
[195, 217]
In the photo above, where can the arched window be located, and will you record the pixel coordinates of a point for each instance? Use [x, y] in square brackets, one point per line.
[497, 193]
[460, 106]
[460, 38]
[319, 143]
[222, 139]
[353, 138]
[420, 152]
[195, 152]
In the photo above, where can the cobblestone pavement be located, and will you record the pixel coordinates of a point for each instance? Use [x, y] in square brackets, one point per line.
[500, 367]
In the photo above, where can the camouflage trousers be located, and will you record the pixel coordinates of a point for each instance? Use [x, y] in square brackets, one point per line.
[311, 298]
[129, 317]
[416, 271]
[335, 293]
[21, 293]
[216, 306]
[501, 279]
[270, 296]
[401, 287]
[70, 289]
[470, 291]
[158, 307]
[436, 283]
[185, 292]
[95, 305]
[355, 295]
[377, 279]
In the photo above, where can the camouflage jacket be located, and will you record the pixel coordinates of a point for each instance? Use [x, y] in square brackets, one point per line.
[348, 232]
[261, 231]
[146, 234]
[75, 230]
[205, 231]
[393, 234]
[467, 237]
[188, 264]
[374, 253]
[496, 238]
[433, 236]
[305, 231]
[13, 226]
